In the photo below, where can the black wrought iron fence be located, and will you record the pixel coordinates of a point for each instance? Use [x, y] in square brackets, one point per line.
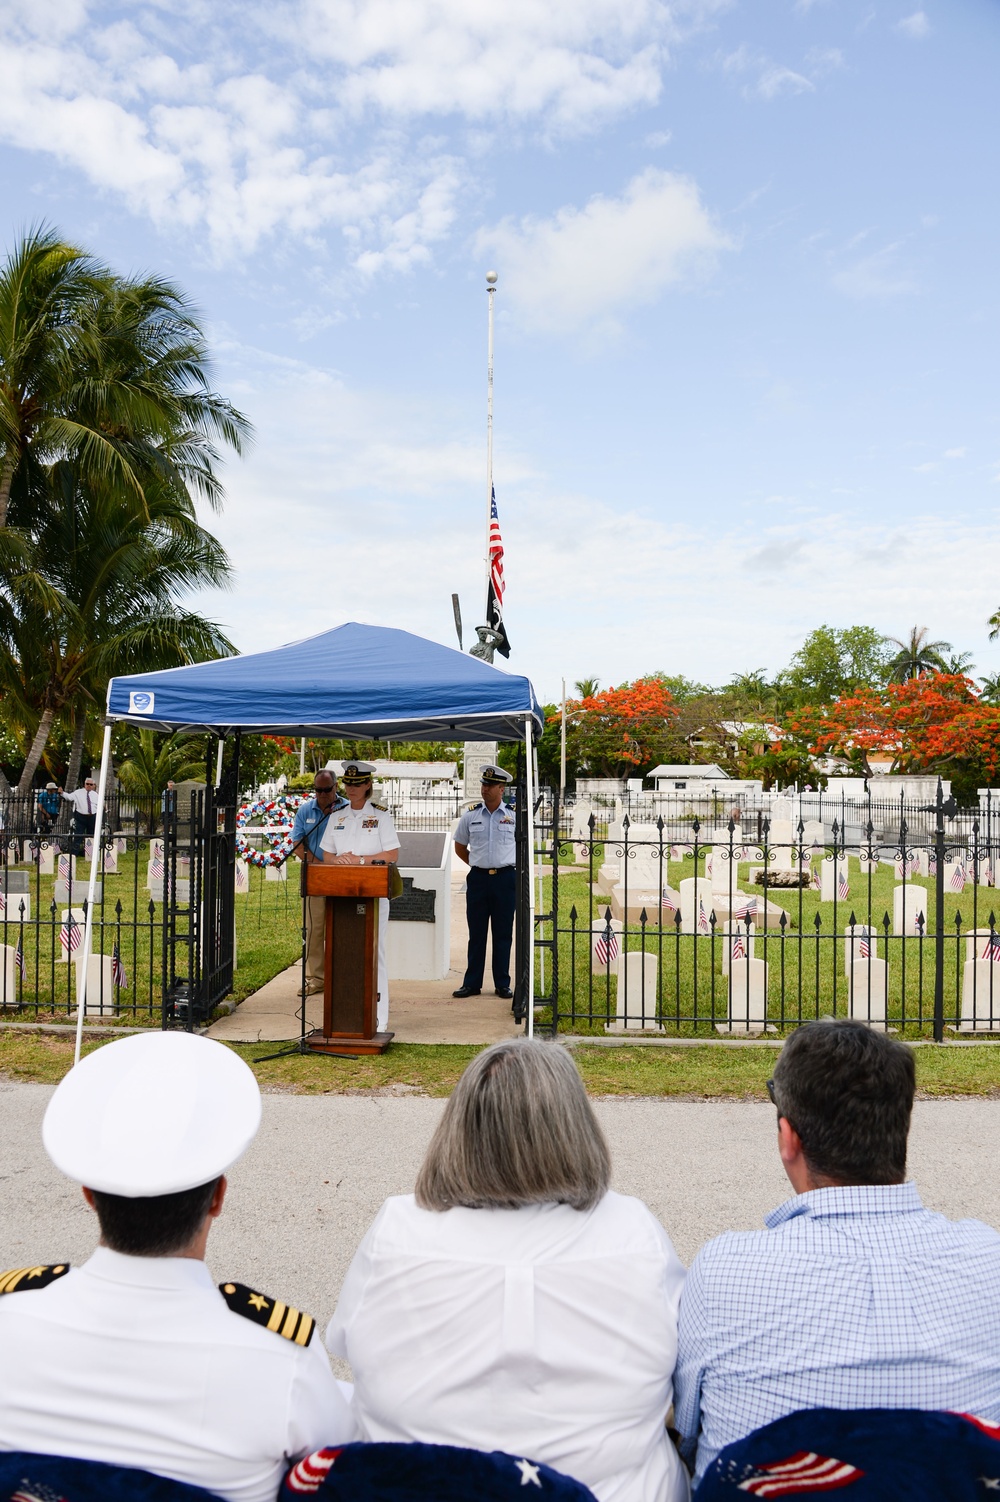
[43, 890]
[692, 929]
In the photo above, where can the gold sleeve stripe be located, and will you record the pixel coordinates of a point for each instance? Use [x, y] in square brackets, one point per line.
[305, 1330]
[291, 1320]
[10, 1280]
[277, 1315]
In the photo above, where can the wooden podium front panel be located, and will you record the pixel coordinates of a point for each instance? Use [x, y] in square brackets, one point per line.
[352, 968]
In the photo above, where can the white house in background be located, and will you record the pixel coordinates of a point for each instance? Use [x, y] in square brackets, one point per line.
[670, 778]
[760, 734]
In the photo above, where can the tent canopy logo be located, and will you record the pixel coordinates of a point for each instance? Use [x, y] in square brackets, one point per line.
[140, 702]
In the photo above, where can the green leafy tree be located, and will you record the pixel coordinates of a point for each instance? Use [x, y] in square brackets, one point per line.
[151, 760]
[832, 662]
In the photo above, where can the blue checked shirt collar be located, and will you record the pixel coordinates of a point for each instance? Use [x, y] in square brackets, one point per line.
[848, 1199]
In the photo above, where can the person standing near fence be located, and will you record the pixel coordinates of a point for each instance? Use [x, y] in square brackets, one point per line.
[484, 839]
[307, 831]
[84, 801]
[47, 808]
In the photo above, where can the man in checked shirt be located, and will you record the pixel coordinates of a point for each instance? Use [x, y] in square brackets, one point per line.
[855, 1296]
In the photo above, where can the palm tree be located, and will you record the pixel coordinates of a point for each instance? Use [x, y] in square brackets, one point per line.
[105, 601]
[917, 656]
[587, 687]
[151, 761]
[109, 372]
[959, 663]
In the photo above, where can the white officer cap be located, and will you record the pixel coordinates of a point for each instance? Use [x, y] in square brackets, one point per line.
[152, 1114]
[495, 776]
[357, 773]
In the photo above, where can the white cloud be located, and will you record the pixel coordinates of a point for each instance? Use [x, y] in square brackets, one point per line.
[954, 453]
[581, 268]
[878, 275]
[916, 26]
[262, 134]
[775, 80]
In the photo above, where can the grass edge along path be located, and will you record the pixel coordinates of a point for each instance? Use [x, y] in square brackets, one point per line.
[696, 1072]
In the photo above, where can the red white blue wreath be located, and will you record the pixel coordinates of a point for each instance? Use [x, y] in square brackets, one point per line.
[278, 815]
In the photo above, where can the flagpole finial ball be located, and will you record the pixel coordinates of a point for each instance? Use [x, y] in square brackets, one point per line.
[491, 278]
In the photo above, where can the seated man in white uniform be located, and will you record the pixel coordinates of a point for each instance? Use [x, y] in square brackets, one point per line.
[137, 1358]
[364, 835]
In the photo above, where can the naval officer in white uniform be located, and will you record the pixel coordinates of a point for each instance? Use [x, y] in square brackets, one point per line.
[137, 1358]
[364, 835]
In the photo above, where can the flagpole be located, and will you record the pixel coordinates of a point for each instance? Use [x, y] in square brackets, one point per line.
[491, 286]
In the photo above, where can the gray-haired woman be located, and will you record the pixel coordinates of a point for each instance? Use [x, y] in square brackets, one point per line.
[515, 1302]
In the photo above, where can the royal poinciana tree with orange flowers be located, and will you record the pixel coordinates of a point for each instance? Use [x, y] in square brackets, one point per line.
[618, 731]
[933, 723]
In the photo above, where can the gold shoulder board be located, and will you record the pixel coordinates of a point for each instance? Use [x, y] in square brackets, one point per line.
[381, 808]
[20, 1279]
[281, 1318]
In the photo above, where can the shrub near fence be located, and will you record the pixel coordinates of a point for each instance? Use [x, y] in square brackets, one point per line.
[900, 932]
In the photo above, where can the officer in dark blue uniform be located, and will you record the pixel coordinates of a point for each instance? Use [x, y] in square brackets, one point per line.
[485, 839]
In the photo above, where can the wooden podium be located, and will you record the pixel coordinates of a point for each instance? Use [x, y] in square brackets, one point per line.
[350, 981]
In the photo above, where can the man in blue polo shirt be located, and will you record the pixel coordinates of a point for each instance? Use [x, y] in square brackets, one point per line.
[307, 831]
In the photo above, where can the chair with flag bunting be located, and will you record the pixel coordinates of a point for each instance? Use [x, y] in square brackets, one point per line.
[425, 1473]
[864, 1454]
[26, 1477]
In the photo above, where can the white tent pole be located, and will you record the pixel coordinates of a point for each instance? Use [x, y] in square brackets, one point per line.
[83, 963]
[218, 762]
[530, 794]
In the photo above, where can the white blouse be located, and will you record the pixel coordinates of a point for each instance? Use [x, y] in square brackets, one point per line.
[547, 1332]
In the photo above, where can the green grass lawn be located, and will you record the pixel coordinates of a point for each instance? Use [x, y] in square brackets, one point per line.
[688, 1073]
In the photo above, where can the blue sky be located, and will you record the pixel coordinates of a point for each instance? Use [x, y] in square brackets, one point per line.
[747, 315]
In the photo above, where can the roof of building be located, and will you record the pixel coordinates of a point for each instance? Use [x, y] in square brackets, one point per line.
[696, 769]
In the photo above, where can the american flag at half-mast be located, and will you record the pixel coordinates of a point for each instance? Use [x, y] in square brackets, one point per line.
[494, 594]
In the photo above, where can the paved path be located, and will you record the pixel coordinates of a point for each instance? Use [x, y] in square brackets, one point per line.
[321, 1165]
[419, 1011]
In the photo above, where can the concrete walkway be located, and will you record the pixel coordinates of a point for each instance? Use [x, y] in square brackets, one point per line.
[420, 1011]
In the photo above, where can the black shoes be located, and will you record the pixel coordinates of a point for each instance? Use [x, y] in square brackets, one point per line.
[464, 991]
[506, 994]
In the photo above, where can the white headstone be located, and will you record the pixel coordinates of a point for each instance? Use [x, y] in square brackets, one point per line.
[15, 907]
[276, 873]
[867, 991]
[101, 995]
[8, 976]
[977, 943]
[696, 895]
[980, 997]
[636, 1006]
[854, 940]
[747, 993]
[599, 964]
[909, 902]
[782, 842]
[242, 876]
[830, 873]
[725, 867]
[736, 944]
[79, 920]
[478, 754]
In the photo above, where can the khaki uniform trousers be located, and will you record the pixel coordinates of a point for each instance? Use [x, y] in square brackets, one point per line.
[315, 938]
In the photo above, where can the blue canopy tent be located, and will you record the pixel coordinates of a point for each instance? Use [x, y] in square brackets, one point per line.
[356, 682]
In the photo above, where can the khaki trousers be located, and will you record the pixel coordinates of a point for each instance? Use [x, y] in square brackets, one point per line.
[315, 938]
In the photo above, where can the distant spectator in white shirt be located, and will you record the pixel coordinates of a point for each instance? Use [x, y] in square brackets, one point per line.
[84, 801]
[515, 1302]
